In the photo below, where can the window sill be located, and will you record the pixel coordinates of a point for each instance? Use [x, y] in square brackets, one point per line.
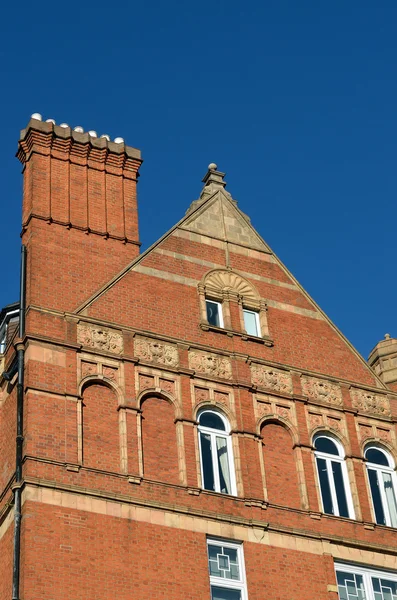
[267, 341]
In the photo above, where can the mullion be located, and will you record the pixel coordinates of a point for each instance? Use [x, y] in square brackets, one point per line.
[331, 480]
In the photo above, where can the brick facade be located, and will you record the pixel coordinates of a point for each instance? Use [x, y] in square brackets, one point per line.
[120, 363]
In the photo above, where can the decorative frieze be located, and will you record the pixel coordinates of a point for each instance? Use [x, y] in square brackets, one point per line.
[324, 391]
[267, 377]
[370, 402]
[210, 364]
[158, 352]
[100, 338]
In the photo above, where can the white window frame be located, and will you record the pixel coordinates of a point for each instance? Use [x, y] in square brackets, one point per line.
[367, 573]
[230, 584]
[214, 433]
[257, 321]
[11, 316]
[379, 469]
[220, 312]
[328, 460]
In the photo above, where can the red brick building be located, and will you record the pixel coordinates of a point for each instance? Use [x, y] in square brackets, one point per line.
[194, 426]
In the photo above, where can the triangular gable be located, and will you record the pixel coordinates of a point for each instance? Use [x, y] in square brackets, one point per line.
[215, 216]
[219, 218]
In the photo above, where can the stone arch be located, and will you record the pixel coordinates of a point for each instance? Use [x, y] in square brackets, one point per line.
[339, 437]
[160, 394]
[161, 449]
[217, 406]
[99, 424]
[381, 443]
[273, 418]
[280, 462]
[101, 380]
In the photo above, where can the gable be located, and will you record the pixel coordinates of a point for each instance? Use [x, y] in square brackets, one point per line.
[220, 219]
[159, 293]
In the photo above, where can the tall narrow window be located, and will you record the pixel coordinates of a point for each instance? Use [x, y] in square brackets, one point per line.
[382, 481]
[333, 479]
[227, 573]
[214, 313]
[251, 322]
[216, 455]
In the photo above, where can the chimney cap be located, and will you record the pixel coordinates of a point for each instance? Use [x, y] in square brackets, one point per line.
[36, 116]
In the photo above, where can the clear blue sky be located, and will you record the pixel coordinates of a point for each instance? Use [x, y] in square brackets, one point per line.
[295, 100]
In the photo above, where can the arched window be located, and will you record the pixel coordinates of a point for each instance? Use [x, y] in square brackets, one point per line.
[382, 480]
[332, 475]
[216, 455]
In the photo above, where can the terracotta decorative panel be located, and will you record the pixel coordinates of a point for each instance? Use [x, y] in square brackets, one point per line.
[100, 338]
[154, 351]
[267, 377]
[370, 402]
[210, 364]
[146, 381]
[324, 391]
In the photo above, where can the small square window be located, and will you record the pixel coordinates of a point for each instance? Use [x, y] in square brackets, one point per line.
[251, 322]
[214, 313]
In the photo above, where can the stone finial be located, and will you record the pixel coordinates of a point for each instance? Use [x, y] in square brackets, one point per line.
[213, 177]
[213, 182]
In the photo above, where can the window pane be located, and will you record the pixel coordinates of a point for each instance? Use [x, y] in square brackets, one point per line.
[250, 322]
[376, 497]
[377, 457]
[391, 498]
[324, 485]
[210, 419]
[324, 444]
[340, 489]
[234, 572]
[350, 586]
[206, 458]
[384, 589]
[213, 310]
[218, 593]
[223, 465]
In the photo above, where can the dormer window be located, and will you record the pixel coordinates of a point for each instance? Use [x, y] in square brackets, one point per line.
[251, 322]
[214, 313]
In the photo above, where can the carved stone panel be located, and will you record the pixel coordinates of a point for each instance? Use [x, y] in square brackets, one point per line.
[110, 373]
[315, 420]
[154, 351]
[100, 338]
[201, 394]
[146, 382]
[271, 405]
[324, 391]
[167, 385]
[365, 431]
[210, 364]
[369, 402]
[88, 368]
[267, 377]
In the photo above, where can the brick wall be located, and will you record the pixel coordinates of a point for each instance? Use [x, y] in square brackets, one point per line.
[116, 376]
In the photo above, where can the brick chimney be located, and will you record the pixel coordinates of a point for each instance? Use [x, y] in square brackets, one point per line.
[79, 218]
